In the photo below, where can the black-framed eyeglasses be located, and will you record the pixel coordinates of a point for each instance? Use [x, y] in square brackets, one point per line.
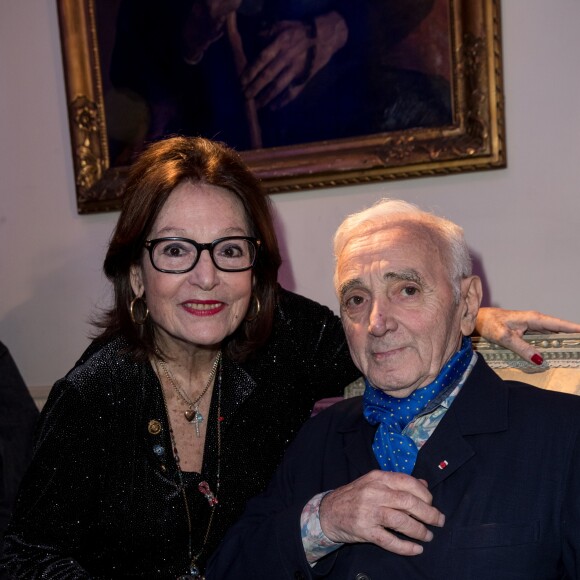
[180, 255]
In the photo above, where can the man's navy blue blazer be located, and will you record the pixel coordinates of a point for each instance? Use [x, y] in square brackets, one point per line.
[503, 466]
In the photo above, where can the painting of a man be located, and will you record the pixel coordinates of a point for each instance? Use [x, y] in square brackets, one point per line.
[267, 73]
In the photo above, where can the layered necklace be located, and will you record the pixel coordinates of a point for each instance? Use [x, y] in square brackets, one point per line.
[192, 413]
[194, 571]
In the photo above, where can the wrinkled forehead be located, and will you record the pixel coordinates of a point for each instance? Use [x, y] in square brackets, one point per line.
[403, 240]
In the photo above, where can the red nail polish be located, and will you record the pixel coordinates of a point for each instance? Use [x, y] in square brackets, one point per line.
[537, 359]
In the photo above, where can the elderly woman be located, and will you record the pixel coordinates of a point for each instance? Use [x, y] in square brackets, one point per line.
[202, 373]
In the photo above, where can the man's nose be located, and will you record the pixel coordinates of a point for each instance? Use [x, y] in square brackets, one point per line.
[381, 319]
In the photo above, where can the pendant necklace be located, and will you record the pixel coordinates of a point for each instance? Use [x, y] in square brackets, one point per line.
[194, 572]
[192, 414]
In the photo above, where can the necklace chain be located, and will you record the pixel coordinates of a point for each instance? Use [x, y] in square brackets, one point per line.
[194, 571]
[180, 392]
[192, 414]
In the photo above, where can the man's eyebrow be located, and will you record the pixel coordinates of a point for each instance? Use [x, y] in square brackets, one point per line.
[344, 288]
[410, 275]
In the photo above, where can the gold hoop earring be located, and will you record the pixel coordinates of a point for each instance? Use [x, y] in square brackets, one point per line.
[257, 310]
[141, 321]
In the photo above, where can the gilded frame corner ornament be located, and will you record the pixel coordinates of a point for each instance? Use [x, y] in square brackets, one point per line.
[475, 140]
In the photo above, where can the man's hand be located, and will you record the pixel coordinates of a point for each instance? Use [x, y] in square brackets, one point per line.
[370, 508]
[506, 328]
[293, 56]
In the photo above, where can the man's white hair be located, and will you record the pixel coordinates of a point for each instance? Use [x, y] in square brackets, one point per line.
[387, 212]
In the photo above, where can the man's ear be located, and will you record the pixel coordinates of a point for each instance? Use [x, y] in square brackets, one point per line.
[471, 295]
[136, 277]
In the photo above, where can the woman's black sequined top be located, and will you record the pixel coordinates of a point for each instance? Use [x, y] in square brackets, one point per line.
[100, 497]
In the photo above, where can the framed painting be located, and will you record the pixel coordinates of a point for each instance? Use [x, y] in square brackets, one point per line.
[312, 94]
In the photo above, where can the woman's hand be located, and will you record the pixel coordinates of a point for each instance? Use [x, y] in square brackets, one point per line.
[507, 327]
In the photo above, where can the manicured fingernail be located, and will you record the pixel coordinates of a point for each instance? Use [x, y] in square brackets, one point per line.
[429, 536]
[537, 359]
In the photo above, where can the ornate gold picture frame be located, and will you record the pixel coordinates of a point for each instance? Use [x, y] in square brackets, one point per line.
[473, 139]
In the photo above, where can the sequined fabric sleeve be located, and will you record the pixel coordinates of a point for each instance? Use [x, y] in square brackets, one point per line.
[315, 334]
[57, 493]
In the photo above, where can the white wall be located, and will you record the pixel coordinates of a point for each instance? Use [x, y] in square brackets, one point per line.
[523, 221]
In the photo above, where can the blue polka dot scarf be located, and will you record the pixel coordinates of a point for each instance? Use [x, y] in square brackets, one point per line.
[393, 450]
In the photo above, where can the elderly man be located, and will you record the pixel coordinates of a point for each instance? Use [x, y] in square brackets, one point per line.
[441, 470]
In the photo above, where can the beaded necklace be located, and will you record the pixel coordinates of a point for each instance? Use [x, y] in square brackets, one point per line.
[194, 571]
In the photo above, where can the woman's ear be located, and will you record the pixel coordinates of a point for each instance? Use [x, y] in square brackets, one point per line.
[136, 278]
[471, 295]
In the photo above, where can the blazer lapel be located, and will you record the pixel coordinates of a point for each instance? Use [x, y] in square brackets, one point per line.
[443, 453]
[358, 440]
[480, 407]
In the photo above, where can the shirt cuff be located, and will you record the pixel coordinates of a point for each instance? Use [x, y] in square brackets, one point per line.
[316, 544]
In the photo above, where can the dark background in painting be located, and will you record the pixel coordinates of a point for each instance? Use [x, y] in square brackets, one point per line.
[393, 74]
